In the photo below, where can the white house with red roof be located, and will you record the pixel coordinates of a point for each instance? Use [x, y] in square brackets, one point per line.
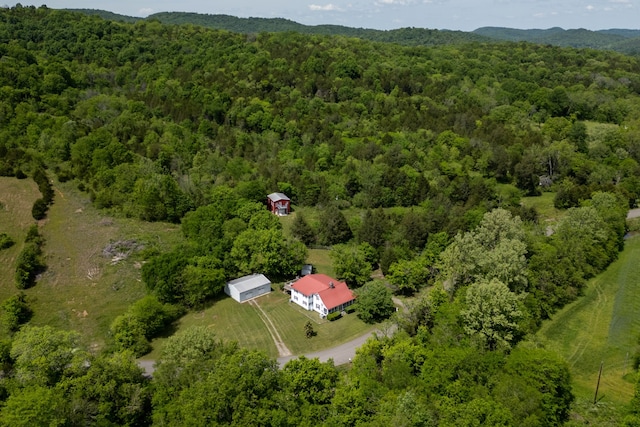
[321, 293]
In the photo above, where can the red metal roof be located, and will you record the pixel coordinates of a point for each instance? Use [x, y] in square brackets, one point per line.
[321, 284]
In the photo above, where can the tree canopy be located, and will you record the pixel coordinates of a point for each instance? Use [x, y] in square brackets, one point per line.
[410, 158]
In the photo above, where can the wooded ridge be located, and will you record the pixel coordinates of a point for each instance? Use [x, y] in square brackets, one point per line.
[620, 40]
[413, 161]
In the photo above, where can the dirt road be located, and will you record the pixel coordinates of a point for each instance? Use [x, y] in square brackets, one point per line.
[633, 213]
[343, 353]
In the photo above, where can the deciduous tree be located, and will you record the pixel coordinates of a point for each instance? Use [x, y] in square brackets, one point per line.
[493, 314]
[350, 264]
[374, 302]
[44, 355]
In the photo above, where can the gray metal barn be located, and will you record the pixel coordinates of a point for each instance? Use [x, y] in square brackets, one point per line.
[247, 287]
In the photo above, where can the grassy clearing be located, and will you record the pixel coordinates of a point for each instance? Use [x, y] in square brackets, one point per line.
[81, 289]
[16, 199]
[602, 326]
[241, 323]
[544, 206]
[231, 321]
[321, 260]
[84, 290]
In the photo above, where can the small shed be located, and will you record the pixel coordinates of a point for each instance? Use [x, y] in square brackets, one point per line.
[279, 203]
[307, 269]
[248, 287]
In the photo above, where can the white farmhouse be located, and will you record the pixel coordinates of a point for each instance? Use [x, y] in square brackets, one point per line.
[321, 293]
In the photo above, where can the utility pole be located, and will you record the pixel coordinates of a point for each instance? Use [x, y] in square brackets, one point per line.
[595, 398]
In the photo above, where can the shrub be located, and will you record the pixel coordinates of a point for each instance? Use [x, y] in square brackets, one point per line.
[308, 330]
[15, 312]
[143, 320]
[28, 265]
[63, 175]
[6, 169]
[334, 316]
[40, 177]
[350, 309]
[39, 209]
[154, 315]
[33, 235]
[6, 241]
[129, 334]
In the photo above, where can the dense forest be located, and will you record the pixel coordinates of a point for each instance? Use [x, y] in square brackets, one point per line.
[434, 145]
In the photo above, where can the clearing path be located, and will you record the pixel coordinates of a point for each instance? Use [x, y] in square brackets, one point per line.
[283, 351]
[633, 213]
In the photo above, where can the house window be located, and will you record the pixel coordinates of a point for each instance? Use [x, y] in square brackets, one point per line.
[295, 297]
[317, 305]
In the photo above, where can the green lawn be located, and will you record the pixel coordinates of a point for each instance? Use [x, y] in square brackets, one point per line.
[233, 321]
[602, 326]
[290, 319]
[321, 260]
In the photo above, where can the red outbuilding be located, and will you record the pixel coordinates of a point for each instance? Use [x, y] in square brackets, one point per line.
[279, 203]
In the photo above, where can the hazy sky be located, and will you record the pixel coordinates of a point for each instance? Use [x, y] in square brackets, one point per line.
[463, 15]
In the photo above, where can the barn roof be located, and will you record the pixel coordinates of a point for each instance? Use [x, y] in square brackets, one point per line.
[332, 292]
[274, 197]
[247, 283]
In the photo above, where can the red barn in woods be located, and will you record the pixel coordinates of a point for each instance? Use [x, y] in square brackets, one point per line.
[279, 203]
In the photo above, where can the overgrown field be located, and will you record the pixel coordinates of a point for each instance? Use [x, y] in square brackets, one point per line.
[83, 288]
[16, 198]
[602, 326]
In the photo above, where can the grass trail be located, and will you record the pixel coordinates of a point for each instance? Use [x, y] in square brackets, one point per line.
[602, 326]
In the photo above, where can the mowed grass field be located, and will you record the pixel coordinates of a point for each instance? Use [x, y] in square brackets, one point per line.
[602, 326]
[81, 289]
[233, 321]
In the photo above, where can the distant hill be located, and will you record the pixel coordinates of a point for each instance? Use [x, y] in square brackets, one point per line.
[110, 16]
[620, 40]
[405, 36]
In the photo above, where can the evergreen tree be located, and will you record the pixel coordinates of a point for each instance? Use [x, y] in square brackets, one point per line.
[333, 226]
